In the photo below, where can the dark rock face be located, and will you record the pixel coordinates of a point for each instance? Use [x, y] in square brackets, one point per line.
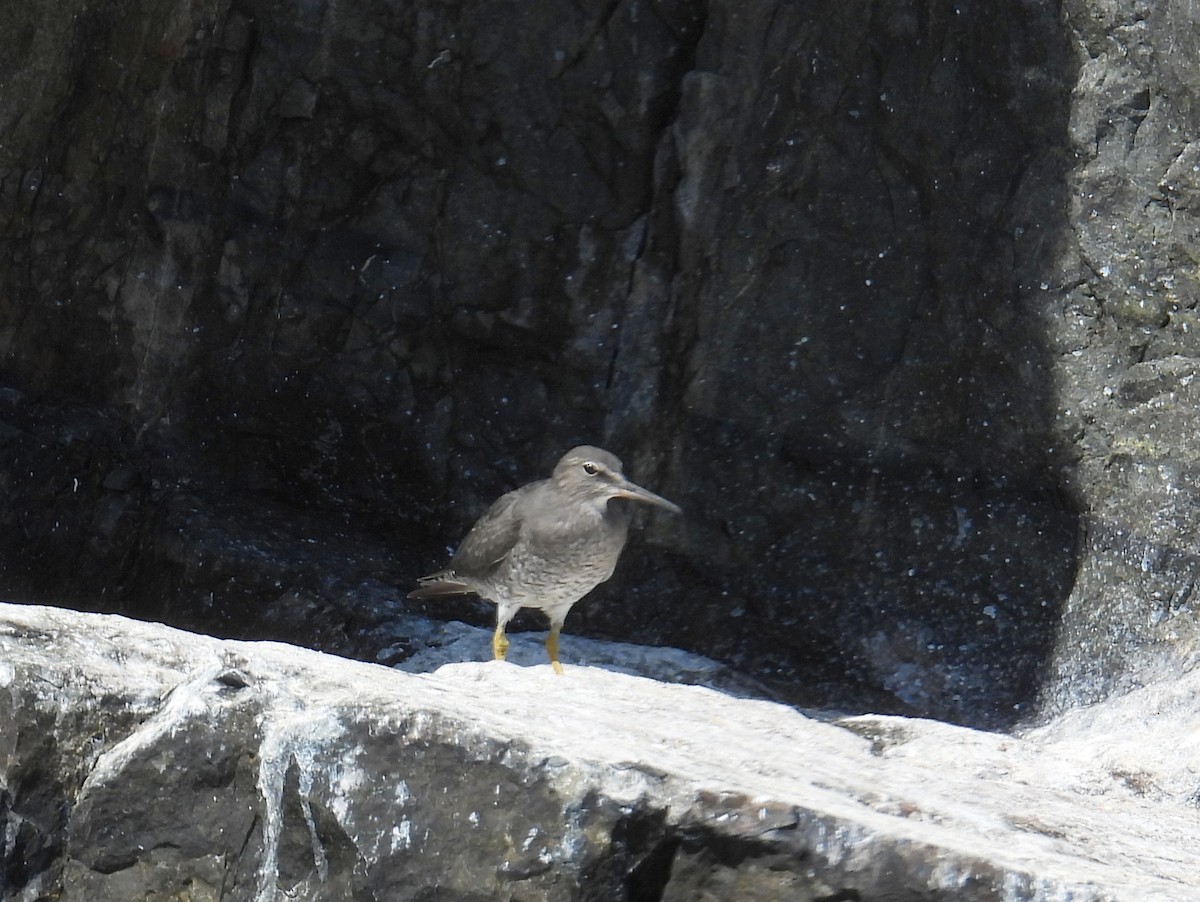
[886, 298]
[862, 412]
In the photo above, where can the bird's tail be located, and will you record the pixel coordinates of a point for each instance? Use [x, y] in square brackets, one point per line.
[440, 584]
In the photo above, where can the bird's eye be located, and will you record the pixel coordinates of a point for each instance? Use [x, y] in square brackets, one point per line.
[590, 468]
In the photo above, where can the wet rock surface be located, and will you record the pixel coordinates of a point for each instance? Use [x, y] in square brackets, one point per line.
[140, 762]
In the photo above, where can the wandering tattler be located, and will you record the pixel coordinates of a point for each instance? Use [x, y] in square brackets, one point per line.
[546, 544]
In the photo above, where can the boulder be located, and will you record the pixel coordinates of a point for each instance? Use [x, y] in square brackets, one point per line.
[139, 762]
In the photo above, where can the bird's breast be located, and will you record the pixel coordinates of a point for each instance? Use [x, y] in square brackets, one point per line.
[559, 560]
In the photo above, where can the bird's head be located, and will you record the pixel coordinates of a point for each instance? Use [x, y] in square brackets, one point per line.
[593, 474]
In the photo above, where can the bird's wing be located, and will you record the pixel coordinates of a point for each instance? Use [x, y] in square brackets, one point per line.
[493, 536]
[435, 585]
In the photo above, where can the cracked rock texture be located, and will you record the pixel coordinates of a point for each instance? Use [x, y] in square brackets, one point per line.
[138, 762]
[896, 299]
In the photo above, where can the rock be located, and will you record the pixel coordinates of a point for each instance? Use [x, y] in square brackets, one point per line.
[378, 266]
[889, 301]
[440, 644]
[141, 762]
[1126, 353]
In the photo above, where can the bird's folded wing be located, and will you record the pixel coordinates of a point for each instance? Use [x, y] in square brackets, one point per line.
[435, 585]
[493, 537]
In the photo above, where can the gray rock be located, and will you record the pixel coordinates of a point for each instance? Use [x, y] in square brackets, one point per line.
[140, 762]
[440, 644]
[1127, 353]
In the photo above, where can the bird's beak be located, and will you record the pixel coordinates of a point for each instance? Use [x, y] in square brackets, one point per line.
[627, 489]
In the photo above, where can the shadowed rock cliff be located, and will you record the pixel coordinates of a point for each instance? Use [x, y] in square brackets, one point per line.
[896, 299]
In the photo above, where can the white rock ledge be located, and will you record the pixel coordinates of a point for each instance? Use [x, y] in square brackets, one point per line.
[138, 760]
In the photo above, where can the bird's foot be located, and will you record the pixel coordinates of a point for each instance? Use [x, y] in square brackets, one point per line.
[499, 644]
[552, 650]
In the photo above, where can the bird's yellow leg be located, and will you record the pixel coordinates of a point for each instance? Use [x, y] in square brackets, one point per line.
[552, 647]
[499, 643]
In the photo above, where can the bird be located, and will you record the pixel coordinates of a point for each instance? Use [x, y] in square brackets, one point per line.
[545, 545]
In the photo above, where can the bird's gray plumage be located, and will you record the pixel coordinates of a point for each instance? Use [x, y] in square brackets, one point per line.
[546, 544]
